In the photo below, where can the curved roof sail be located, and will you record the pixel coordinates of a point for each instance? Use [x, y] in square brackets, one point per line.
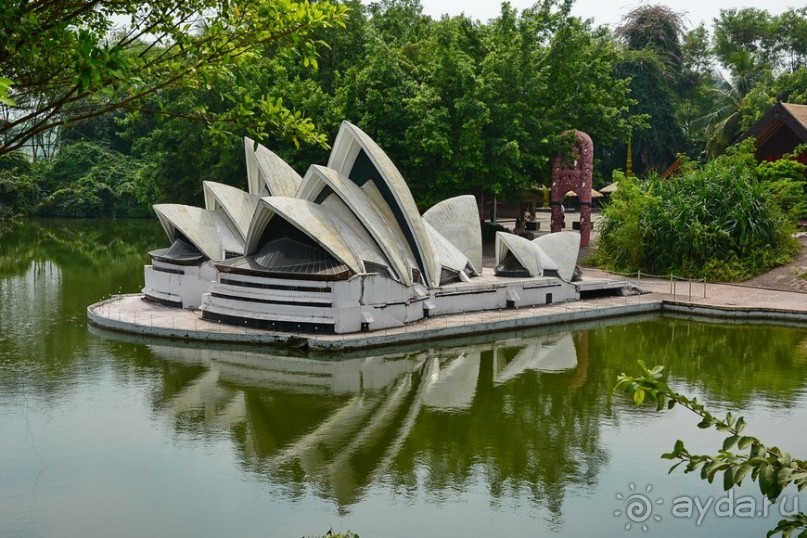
[238, 205]
[367, 249]
[523, 250]
[208, 231]
[450, 256]
[319, 180]
[457, 220]
[562, 248]
[358, 157]
[319, 224]
[268, 174]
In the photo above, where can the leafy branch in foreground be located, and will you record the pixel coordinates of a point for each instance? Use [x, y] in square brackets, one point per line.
[69, 61]
[772, 468]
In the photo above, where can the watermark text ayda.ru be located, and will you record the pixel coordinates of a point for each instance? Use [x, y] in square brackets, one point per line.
[730, 506]
[642, 509]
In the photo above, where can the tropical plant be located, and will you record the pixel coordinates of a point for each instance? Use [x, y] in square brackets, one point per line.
[716, 220]
[723, 123]
[772, 468]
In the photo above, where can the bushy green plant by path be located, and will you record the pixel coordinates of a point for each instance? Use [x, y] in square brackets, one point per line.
[786, 181]
[728, 219]
[770, 467]
[89, 180]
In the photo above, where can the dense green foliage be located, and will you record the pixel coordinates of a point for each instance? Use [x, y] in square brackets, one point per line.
[67, 61]
[89, 180]
[728, 219]
[460, 105]
[18, 191]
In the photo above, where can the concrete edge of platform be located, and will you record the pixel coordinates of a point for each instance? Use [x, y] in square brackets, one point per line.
[735, 312]
[111, 324]
[415, 334]
[485, 327]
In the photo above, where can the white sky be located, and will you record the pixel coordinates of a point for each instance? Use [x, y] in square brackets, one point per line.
[609, 12]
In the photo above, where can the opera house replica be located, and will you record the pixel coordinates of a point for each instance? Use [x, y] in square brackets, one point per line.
[344, 249]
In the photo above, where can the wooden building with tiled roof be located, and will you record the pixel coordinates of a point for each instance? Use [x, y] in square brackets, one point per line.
[779, 131]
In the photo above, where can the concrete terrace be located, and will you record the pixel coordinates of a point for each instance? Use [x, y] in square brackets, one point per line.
[131, 314]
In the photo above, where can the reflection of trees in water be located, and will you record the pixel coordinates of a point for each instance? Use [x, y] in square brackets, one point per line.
[50, 270]
[732, 363]
[522, 416]
[531, 434]
[101, 246]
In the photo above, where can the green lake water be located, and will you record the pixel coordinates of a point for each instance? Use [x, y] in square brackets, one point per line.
[510, 435]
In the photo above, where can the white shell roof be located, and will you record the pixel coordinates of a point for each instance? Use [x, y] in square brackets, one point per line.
[269, 174]
[348, 145]
[450, 256]
[563, 248]
[366, 211]
[369, 250]
[208, 231]
[457, 219]
[324, 227]
[375, 196]
[238, 205]
[523, 249]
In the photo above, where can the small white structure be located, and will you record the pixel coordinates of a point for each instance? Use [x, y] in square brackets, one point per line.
[344, 249]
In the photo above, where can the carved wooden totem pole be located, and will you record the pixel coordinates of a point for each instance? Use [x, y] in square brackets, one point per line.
[574, 174]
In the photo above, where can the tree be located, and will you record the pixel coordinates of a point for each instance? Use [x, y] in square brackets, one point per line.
[63, 62]
[787, 88]
[779, 42]
[654, 63]
[771, 467]
[88, 180]
[790, 28]
[746, 29]
[18, 190]
[723, 121]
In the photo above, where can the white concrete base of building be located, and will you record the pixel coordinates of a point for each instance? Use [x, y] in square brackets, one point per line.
[367, 303]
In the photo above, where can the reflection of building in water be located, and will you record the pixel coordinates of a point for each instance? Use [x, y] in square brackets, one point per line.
[549, 354]
[340, 425]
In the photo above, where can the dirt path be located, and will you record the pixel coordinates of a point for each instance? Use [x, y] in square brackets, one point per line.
[786, 277]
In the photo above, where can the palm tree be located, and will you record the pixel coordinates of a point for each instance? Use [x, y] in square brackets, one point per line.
[722, 123]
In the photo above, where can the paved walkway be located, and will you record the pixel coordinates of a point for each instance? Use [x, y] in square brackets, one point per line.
[131, 314]
[723, 296]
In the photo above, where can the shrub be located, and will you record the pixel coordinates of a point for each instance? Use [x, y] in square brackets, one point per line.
[718, 220]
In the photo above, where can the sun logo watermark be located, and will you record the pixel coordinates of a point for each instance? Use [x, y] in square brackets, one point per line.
[638, 507]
